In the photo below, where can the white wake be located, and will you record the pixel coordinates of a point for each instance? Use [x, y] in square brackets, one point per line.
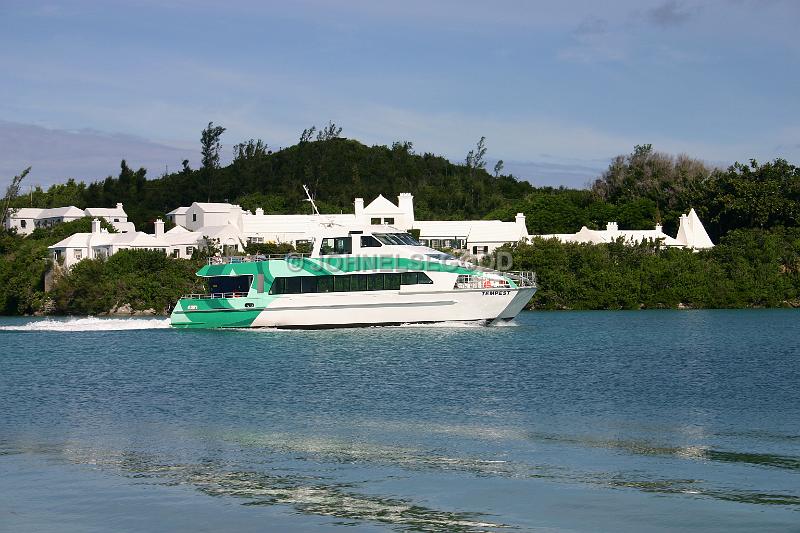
[90, 324]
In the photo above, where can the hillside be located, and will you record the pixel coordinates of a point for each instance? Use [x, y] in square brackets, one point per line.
[637, 190]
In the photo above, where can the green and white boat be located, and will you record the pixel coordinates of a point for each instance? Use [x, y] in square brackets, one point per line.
[366, 276]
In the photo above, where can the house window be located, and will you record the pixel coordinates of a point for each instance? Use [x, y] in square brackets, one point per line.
[189, 250]
[435, 243]
[116, 220]
[375, 221]
[78, 254]
[480, 250]
[257, 240]
[23, 223]
[176, 252]
[194, 217]
[388, 221]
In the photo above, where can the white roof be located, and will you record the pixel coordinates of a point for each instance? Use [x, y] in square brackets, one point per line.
[600, 236]
[473, 230]
[124, 227]
[216, 207]
[176, 230]
[179, 211]
[496, 231]
[442, 228]
[381, 205]
[692, 233]
[106, 212]
[26, 212]
[55, 212]
[254, 224]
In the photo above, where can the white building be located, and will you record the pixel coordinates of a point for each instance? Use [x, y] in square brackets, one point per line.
[476, 236]
[691, 234]
[99, 243]
[26, 219]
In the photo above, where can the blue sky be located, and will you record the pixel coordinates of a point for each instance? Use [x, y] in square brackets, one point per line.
[557, 88]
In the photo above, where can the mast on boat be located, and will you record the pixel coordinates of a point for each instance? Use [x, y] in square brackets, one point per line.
[310, 199]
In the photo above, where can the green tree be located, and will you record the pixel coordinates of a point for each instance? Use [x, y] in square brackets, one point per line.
[12, 191]
[210, 148]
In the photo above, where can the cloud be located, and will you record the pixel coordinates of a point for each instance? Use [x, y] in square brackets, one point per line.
[668, 14]
[87, 155]
[594, 41]
[543, 173]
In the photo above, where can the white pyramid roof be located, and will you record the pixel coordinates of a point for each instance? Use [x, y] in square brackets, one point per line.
[692, 233]
[381, 205]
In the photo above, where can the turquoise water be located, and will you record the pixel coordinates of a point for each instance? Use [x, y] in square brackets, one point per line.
[598, 421]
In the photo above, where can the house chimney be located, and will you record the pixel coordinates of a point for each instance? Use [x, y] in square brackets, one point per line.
[405, 202]
[520, 220]
[612, 226]
[119, 205]
[159, 227]
[359, 206]
[259, 211]
[659, 228]
[95, 226]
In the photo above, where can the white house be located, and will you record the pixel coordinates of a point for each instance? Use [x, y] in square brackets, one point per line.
[116, 216]
[26, 219]
[477, 236]
[178, 216]
[691, 234]
[99, 243]
[23, 219]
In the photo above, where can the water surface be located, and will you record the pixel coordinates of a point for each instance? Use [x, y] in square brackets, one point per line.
[615, 421]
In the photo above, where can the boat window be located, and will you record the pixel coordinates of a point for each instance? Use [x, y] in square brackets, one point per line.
[368, 241]
[336, 246]
[341, 283]
[229, 284]
[397, 239]
[389, 281]
[415, 278]
[441, 257]
[292, 285]
[359, 282]
[324, 283]
[375, 282]
[309, 283]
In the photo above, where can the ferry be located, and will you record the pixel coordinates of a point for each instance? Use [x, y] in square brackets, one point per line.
[354, 276]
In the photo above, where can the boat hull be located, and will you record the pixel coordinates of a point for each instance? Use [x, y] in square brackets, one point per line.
[331, 310]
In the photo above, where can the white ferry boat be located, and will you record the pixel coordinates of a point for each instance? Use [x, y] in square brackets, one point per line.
[358, 276]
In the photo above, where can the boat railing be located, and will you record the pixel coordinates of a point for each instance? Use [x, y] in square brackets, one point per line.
[214, 295]
[233, 259]
[523, 278]
[520, 278]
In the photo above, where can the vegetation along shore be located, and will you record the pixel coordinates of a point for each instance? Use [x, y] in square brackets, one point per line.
[751, 211]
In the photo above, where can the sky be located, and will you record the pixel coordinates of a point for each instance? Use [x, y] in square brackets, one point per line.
[557, 88]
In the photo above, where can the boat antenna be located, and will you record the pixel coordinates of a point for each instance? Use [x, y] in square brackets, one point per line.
[310, 199]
